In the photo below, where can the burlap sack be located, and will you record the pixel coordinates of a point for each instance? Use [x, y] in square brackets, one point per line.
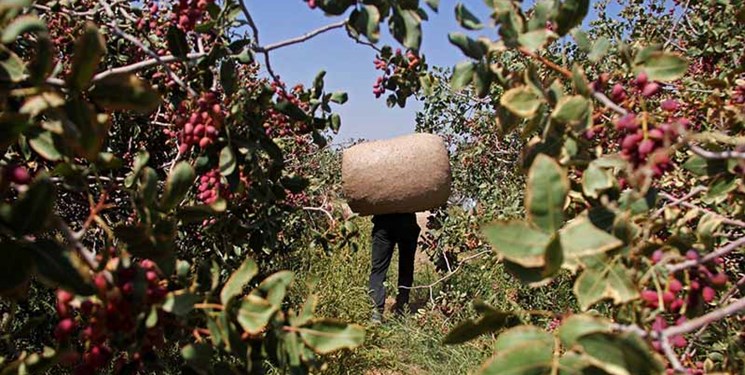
[400, 175]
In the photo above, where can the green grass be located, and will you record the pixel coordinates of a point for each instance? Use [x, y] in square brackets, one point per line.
[412, 344]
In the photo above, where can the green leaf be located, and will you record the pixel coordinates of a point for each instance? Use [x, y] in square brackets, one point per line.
[246, 56]
[599, 49]
[56, 268]
[125, 92]
[707, 228]
[542, 12]
[413, 27]
[582, 40]
[291, 110]
[227, 161]
[274, 287]
[366, 21]
[491, 321]
[612, 280]
[522, 101]
[534, 40]
[663, 66]
[546, 192]
[178, 184]
[523, 335]
[462, 75]
[89, 49]
[16, 267]
[12, 68]
[523, 350]
[468, 46]
[149, 186]
[180, 303]
[339, 97]
[720, 189]
[596, 180]
[238, 280]
[621, 353]
[198, 356]
[580, 238]
[539, 276]
[573, 110]
[177, 43]
[91, 128]
[579, 81]
[467, 19]
[577, 326]
[510, 27]
[228, 78]
[705, 167]
[255, 313]
[571, 14]
[518, 242]
[140, 161]
[327, 335]
[22, 25]
[482, 80]
[31, 211]
[335, 122]
[43, 144]
[433, 4]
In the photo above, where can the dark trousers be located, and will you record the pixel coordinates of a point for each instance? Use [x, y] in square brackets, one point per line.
[389, 231]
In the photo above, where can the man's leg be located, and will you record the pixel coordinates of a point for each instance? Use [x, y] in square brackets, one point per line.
[407, 243]
[382, 251]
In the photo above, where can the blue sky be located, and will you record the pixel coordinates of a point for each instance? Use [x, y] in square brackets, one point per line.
[350, 65]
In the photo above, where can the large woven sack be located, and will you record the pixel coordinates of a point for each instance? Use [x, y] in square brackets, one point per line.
[400, 175]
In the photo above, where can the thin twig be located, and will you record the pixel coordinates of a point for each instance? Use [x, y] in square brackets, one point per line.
[725, 220]
[320, 209]
[88, 257]
[670, 354]
[447, 276]
[716, 315]
[731, 292]
[131, 68]
[566, 73]
[301, 38]
[115, 25]
[250, 21]
[722, 251]
[674, 202]
[87, 13]
[675, 25]
[730, 154]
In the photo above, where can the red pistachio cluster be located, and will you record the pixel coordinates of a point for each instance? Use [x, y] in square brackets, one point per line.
[187, 13]
[113, 317]
[200, 125]
[396, 70]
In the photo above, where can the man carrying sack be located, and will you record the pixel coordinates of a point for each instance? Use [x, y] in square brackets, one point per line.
[390, 230]
[392, 180]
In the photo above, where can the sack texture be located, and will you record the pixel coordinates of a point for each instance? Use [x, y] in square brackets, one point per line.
[400, 175]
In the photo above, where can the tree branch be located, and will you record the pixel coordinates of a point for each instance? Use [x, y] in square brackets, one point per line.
[447, 276]
[724, 250]
[682, 202]
[599, 96]
[320, 209]
[730, 154]
[114, 24]
[716, 315]
[676, 201]
[250, 21]
[301, 38]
